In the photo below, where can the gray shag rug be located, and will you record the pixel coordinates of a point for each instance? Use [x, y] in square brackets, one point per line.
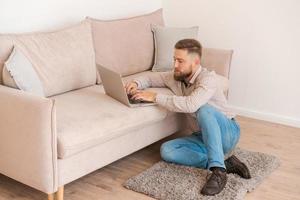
[167, 181]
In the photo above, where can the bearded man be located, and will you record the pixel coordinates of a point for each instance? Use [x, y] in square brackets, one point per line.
[196, 92]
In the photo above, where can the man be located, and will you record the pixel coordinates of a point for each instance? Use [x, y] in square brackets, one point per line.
[196, 91]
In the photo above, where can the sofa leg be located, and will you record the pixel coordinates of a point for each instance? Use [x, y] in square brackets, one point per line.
[51, 196]
[60, 193]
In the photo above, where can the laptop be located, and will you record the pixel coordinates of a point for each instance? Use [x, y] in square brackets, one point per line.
[114, 87]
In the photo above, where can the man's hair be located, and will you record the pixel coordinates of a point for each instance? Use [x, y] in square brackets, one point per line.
[191, 45]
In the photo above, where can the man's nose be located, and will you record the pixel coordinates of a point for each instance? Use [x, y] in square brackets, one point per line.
[175, 64]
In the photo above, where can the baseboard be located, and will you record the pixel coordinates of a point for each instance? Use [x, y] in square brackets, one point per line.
[280, 119]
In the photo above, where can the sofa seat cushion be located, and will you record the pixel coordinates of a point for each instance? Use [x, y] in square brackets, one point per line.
[87, 117]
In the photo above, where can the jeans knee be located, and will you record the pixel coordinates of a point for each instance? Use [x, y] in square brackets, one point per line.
[166, 150]
[203, 112]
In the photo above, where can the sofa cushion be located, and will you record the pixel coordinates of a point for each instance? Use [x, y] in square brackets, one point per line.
[165, 39]
[125, 45]
[21, 74]
[218, 60]
[7, 79]
[87, 117]
[64, 60]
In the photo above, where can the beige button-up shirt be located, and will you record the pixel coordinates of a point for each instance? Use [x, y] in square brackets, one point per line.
[203, 88]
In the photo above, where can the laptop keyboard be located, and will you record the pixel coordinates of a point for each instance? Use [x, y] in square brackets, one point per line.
[135, 101]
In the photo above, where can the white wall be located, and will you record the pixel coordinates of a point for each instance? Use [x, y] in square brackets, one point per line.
[35, 15]
[265, 37]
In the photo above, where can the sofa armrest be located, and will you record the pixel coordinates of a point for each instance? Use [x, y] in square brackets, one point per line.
[28, 143]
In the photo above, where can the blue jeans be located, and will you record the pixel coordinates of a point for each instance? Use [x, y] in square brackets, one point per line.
[205, 149]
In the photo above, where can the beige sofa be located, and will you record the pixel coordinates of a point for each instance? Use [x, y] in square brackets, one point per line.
[47, 142]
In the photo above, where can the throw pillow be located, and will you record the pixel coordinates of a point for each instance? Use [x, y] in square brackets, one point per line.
[22, 73]
[165, 39]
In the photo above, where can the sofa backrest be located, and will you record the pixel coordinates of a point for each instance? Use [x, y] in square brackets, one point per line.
[218, 60]
[126, 45]
[64, 60]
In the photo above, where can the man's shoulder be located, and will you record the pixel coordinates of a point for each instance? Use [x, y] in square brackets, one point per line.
[206, 74]
[212, 78]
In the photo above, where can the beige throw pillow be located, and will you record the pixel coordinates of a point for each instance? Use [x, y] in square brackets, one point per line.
[125, 45]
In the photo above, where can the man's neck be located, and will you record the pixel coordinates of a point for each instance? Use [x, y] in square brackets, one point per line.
[187, 80]
[193, 73]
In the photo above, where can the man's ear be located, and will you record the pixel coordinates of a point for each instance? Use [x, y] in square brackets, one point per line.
[197, 60]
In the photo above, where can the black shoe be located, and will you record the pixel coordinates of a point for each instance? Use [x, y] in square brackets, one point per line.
[235, 166]
[216, 182]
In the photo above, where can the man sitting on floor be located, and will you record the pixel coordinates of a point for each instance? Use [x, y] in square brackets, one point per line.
[196, 92]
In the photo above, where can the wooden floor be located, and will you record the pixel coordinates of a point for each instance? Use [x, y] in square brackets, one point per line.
[106, 183]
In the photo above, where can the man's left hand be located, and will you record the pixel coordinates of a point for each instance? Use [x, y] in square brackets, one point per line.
[145, 95]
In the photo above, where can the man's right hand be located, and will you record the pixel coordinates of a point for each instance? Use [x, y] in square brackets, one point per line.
[131, 87]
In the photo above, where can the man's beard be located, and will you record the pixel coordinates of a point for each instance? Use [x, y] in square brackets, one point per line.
[182, 76]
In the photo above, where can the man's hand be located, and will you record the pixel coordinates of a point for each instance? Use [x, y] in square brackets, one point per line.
[131, 87]
[145, 95]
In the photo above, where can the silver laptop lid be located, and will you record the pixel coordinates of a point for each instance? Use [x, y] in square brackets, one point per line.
[113, 85]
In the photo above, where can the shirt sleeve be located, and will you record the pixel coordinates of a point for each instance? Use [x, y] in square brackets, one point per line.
[203, 92]
[154, 79]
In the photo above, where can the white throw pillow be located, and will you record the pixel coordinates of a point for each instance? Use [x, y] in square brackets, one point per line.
[22, 73]
[165, 39]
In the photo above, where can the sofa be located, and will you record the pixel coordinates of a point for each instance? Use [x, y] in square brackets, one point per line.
[49, 141]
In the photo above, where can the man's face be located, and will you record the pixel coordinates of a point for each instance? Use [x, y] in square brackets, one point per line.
[183, 64]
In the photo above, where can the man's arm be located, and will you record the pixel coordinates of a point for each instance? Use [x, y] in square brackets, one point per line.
[155, 79]
[189, 104]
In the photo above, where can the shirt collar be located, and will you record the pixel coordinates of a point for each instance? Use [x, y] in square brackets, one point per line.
[195, 75]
